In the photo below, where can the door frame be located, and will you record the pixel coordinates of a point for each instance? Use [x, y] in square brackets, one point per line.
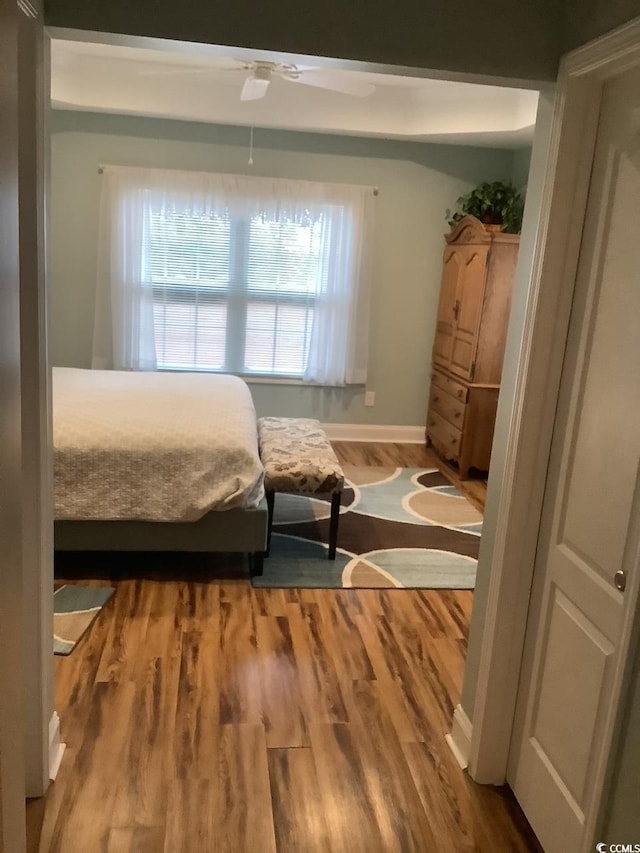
[514, 502]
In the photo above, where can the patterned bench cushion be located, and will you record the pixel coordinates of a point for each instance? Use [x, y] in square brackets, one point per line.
[297, 457]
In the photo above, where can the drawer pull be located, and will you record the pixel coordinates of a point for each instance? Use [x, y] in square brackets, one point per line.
[460, 393]
[436, 399]
[457, 414]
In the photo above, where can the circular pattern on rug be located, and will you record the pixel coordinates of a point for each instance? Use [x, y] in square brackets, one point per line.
[399, 527]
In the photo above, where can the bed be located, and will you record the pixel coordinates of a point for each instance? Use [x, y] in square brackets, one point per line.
[156, 462]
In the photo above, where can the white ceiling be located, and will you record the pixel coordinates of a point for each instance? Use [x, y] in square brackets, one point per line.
[191, 82]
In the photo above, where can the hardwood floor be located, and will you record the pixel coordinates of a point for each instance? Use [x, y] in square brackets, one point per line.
[201, 715]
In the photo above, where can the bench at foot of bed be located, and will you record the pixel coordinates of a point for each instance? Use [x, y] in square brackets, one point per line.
[298, 460]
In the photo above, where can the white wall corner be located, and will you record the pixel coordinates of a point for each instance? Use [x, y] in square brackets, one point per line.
[375, 432]
[56, 747]
[459, 739]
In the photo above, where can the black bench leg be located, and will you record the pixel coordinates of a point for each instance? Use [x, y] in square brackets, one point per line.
[256, 565]
[270, 502]
[333, 527]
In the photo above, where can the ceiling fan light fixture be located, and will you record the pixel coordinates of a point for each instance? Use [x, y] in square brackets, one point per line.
[254, 88]
[262, 72]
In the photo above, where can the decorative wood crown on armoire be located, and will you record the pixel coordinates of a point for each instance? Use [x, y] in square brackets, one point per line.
[475, 299]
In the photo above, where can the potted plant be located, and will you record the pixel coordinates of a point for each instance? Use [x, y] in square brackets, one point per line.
[498, 205]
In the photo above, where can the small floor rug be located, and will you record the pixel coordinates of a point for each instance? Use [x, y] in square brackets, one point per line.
[399, 527]
[74, 609]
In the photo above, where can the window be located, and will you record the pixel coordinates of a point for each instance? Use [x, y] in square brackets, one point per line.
[258, 277]
[253, 276]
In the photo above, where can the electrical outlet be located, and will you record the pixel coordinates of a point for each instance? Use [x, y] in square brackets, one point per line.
[370, 398]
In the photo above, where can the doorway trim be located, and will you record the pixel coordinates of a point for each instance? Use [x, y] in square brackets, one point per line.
[515, 502]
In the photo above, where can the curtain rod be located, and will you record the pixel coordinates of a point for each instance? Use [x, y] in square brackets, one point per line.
[376, 190]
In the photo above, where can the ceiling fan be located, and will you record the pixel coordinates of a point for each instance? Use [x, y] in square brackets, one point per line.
[261, 74]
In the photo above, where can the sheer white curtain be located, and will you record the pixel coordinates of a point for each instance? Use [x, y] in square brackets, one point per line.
[123, 330]
[338, 350]
[124, 335]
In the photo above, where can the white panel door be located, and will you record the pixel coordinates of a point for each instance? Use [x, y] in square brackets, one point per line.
[591, 518]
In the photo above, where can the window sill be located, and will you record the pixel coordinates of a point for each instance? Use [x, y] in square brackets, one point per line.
[249, 378]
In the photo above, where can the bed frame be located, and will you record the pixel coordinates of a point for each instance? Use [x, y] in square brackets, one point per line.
[243, 530]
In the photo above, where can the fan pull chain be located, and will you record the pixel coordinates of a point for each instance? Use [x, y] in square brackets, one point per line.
[251, 148]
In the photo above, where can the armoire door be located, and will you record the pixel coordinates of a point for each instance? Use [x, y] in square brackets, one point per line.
[472, 261]
[590, 533]
[443, 342]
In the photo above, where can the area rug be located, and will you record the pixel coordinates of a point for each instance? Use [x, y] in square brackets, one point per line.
[74, 609]
[399, 527]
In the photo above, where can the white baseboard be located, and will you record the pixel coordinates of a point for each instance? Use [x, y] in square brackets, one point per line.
[375, 432]
[56, 748]
[460, 738]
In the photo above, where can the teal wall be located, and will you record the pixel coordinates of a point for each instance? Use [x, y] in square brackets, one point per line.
[417, 183]
[520, 167]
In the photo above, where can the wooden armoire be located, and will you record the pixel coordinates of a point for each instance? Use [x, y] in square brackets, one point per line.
[475, 299]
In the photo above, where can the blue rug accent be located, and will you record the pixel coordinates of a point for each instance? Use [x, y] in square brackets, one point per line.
[74, 609]
[409, 567]
[384, 500]
[301, 563]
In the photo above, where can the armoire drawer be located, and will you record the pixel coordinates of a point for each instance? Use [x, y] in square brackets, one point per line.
[449, 407]
[447, 437]
[456, 389]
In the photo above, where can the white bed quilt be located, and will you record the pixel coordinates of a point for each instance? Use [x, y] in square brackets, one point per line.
[152, 446]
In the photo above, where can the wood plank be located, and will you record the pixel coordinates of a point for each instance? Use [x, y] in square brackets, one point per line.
[408, 651]
[126, 631]
[84, 818]
[403, 704]
[295, 794]
[239, 685]
[318, 678]
[244, 816]
[441, 614]
[463, 815]
[403, 822]
[141, 798]
[42, 821]
[198, 705]
[136, 839]
[198, 605]
[338, 633]
[282, 704]
[75, 676]
[344, 796]
[381, 454]
[191, 821]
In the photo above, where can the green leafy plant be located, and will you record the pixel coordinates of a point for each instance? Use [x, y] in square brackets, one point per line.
[494, 203]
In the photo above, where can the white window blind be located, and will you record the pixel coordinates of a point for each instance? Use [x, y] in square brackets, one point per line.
[253, 276]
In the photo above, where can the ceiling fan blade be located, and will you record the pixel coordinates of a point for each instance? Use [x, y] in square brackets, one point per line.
[335, 83]
[171, 70]
[254, 89]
